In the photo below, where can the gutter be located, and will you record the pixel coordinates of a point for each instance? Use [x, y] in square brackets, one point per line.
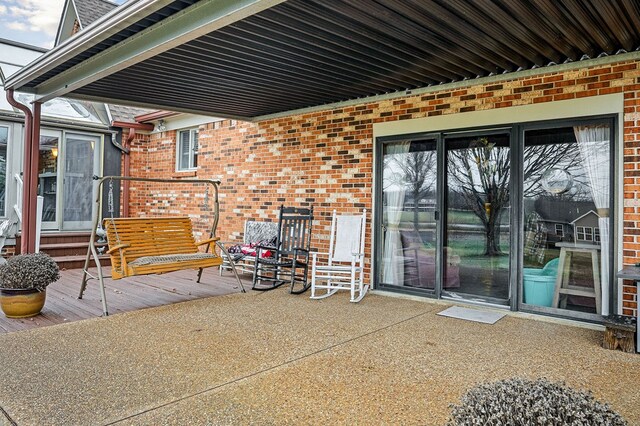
[155, 115]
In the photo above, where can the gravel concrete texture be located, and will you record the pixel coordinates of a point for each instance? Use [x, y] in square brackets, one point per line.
[274, 358]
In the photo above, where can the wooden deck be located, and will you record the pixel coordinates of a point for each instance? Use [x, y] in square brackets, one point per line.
[123, 295]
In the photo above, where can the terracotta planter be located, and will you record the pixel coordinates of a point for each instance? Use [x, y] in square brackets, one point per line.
[21, 303]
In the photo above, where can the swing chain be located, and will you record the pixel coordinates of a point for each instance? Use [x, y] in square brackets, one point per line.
[111, 209]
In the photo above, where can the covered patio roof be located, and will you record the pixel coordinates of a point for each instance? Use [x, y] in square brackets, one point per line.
[250, 58]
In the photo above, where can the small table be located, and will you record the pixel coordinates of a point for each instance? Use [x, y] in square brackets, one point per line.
[632, 273]
[564, 267]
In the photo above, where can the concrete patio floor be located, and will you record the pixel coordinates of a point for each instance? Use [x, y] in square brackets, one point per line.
[274, 358]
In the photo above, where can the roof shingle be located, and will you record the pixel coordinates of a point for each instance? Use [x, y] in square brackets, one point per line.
[91, 10]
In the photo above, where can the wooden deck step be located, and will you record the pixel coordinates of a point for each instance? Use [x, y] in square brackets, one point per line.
[77, 261]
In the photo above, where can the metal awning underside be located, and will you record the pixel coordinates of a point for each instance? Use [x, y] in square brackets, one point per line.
[302, 53]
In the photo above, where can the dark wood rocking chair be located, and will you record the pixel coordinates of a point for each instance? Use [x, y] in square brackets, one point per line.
[289, 260]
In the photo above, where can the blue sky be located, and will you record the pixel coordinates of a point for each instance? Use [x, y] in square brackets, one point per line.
[31, 21]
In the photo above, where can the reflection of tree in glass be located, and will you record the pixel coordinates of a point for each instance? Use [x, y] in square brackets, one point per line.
[538, 159]
[415, 172]
[480, 174]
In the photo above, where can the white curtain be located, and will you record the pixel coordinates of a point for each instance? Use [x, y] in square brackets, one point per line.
[594, 145]
[394, 190]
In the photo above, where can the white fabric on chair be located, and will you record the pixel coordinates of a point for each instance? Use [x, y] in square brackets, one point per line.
[347, 238]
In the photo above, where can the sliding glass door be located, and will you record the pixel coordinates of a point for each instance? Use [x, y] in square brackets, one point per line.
[567, 200]
[408, 228]
[477, 209]
[518, 216]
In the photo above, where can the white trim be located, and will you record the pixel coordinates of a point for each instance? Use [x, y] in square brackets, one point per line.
[584, 215]
[192, 153]
[571, 108]
[184, 121]
[561, 234]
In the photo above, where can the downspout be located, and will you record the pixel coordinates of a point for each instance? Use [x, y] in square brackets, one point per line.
[127, 171]
[126, 151]
[26, 167]
[33, 179]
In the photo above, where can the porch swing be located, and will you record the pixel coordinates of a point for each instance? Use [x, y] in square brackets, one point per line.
[150, 245]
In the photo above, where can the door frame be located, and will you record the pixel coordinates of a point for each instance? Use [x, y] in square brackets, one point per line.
[614, 171]
[59, 223]
[377, 214]
[516, 257]
[485, 131]
[55, 224]
[97, 169]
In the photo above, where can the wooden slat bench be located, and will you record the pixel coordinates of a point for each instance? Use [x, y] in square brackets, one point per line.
[143, 246]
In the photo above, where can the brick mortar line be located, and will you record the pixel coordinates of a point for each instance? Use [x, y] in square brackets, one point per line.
[266, 370]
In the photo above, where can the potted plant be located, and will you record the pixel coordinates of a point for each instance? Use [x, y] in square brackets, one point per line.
[23, 282]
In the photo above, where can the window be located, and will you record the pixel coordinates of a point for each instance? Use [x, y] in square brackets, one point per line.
[596, 235]
[584, 233]
[187, 149]
[559, 230]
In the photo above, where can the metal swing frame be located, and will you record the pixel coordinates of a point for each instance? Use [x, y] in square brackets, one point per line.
[92, 252]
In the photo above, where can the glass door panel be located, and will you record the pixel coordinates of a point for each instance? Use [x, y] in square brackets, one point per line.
[48, 177]
[476, 243]
[80, 164]
[566, 202]
[408, 255]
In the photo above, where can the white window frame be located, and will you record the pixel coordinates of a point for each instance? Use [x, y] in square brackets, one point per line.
[7, 168]
[193, 150]
[580, 235]
[588, 233]
[596, 235]
[559, 230]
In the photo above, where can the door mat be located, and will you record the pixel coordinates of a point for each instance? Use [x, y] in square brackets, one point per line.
[471, 314]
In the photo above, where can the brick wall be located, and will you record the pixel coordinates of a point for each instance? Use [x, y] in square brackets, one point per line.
[325, 158]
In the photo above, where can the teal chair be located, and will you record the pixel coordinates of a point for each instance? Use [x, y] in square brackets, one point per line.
[540, 284]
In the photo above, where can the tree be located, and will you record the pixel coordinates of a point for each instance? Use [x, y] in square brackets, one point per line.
[415, 172]
[481, 175]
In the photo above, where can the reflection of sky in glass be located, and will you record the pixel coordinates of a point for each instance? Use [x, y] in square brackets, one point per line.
[62, 108]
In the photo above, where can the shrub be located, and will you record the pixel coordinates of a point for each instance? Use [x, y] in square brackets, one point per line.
[520, 402]
[28, 271]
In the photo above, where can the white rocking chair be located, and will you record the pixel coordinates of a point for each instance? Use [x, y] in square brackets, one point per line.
[344, 269]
